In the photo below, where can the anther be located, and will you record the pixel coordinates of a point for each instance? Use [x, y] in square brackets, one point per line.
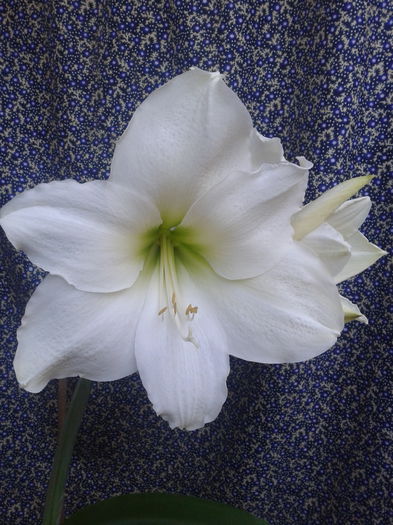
[191, 310]
[174, 304]
[163, 310]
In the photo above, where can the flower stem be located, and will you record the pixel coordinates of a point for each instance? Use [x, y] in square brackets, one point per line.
[58, 478]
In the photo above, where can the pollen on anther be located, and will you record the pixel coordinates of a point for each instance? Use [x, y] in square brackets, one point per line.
[163, 310]
[174, 304]
[191, 310]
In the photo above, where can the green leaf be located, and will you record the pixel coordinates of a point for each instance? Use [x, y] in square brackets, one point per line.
[161, 509]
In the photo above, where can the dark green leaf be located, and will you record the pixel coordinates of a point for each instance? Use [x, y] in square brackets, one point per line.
[161, 509]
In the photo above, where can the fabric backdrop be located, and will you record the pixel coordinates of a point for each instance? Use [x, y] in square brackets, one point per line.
[300, 444]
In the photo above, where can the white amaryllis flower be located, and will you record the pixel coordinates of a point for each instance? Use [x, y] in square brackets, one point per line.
[184, 256]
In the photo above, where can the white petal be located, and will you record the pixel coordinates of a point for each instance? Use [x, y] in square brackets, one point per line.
[351, 311]
[330, 246]
[291, 313]
[90, 234]
[266, 149]
[363, 255]
[317, 211]
[350, 215]
[184, 138]
[186, 384]
[242, 225]
[66, 332]
[304, 163]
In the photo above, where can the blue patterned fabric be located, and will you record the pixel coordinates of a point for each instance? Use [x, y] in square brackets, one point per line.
[302, 444]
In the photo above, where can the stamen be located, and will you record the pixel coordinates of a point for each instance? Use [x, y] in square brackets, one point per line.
[169, 288]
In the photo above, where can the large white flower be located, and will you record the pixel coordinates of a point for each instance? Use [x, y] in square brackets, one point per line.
[184, 256]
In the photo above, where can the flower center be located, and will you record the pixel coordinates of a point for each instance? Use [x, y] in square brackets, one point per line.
[170, 292]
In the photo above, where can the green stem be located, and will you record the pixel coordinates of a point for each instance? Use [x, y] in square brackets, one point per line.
[58, 478]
